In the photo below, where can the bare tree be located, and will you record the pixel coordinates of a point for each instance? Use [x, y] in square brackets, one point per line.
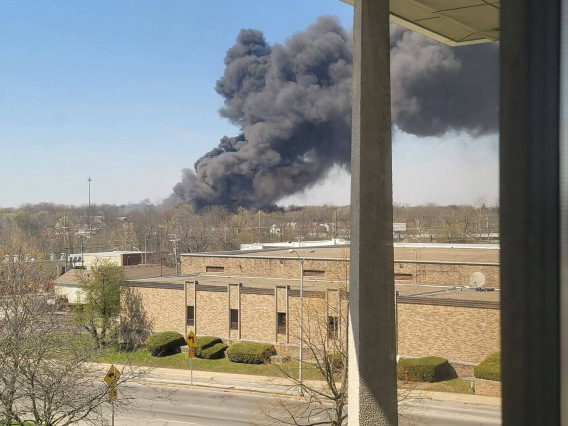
[320, 397]
[47, 376]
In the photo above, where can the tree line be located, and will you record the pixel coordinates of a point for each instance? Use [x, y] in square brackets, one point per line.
[48, 230]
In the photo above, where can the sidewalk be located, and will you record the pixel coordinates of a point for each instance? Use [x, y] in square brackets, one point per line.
[275, 385]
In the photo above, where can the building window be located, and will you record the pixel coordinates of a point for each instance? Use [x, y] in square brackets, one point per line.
[234, 319]
[313, 273]
[403, 277]
[281, 323]
[191, 315]
[332, 327]
[214, 269]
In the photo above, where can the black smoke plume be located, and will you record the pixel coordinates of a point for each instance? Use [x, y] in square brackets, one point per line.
[293, 104]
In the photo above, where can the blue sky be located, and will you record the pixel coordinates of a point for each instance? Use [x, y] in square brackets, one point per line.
[123, 92]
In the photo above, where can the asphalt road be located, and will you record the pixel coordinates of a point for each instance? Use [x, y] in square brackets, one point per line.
[206, 407]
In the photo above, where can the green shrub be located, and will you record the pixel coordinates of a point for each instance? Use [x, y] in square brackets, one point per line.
[209, 347]
[205, 342]
[427, 369]
[164, 343]
[490, 368]
[213, 352]
[250, 353]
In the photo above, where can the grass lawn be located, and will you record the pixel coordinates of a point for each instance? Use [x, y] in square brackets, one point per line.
[143, 357]
[454, 386]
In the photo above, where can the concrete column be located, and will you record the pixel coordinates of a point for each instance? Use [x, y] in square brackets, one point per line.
[372, 356]
[530, 211]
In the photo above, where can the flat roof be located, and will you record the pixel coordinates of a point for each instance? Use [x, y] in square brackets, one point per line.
[447, 292]
[453, 22]
[132, 272]
[476, 253]
[433, 292]
[247, 281]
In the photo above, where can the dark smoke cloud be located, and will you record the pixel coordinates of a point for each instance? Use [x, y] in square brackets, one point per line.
[437, 89]
[293, 104]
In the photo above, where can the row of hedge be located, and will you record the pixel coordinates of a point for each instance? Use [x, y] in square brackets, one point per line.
[427, 369]
[210, 347]
[435, 369]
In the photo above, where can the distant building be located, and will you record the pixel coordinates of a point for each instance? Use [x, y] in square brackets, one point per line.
[254, 295]
[69, 285]
[120, 258]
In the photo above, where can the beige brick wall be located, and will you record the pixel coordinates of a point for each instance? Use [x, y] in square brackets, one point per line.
[455, 333]
[164, 307]
[190, 293]
[212, 317]
[338, 270]
[258, 320]
[281, 299]
[265, 267]
[447, 274]
[234, 289]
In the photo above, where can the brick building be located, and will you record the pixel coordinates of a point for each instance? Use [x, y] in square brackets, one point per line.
[255, 296]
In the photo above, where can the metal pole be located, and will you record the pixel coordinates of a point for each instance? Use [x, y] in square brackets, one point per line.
[89, 180]
[301, 321]
[145, 246]
[112, 418]
[301, 313]
[191, 368]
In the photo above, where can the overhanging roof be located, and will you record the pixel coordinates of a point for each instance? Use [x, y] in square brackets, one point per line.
[453, 22]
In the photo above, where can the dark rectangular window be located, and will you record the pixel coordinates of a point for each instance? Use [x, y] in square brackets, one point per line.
[281, 323]
[332, 327]
[234, 319]
[191, 315]
[214, 269]
[403, 277]
[313, 273]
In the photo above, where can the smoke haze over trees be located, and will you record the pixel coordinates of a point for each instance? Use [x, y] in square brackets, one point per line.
[293, 105]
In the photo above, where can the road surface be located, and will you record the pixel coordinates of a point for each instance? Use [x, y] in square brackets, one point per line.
[207, 407]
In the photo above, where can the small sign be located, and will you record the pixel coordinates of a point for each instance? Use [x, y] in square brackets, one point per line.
[190, 339]
[112, 394]
[191, 352]
[112, 376]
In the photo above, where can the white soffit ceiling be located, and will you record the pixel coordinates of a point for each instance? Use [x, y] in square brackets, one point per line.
[453, 22]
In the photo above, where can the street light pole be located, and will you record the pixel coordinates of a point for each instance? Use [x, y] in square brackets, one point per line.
[89, 180]
[302, 260]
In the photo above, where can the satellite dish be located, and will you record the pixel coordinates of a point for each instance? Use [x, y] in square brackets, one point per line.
[477, 280]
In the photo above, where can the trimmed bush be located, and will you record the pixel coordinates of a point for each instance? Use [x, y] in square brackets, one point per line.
[164, 343]
[490, 368]
[213, 352]
[250, 353]
[210, 347]
[205, 342]
[427, 369]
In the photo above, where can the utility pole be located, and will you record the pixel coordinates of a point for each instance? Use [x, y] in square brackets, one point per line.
[89, 213]
[259, 226]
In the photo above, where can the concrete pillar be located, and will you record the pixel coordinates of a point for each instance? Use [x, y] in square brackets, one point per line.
[372, 357]
[530, 212]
